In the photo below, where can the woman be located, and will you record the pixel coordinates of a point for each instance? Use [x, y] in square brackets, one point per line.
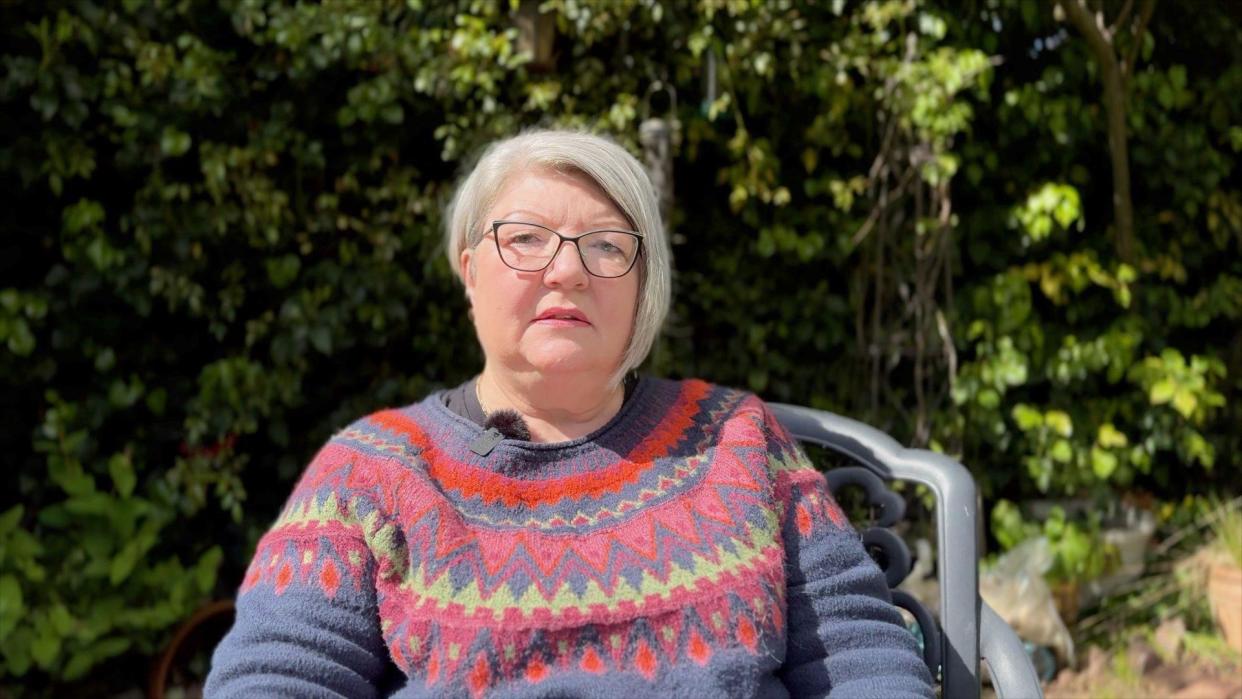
[557, 527]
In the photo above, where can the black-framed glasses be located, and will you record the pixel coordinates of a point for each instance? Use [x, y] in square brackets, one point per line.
[530, 247]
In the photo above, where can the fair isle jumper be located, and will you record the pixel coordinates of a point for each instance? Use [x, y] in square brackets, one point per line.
[685, 549]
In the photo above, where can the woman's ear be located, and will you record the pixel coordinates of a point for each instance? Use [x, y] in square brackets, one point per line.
[465, 268]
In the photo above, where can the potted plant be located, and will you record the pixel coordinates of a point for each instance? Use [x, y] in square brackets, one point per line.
[1225, 575]
[1077, 551]
[1080, 555]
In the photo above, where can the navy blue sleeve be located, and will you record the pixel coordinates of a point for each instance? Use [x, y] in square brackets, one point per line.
[845, 637]
[307, 618]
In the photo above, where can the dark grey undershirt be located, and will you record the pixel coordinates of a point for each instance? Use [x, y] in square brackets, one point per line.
[464, 401]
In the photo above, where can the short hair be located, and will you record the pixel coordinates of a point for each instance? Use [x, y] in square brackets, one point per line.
[615, 171]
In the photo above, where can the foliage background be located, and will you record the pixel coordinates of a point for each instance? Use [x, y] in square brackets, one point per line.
[221, 243]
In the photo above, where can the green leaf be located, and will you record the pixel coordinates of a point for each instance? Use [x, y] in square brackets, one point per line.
[1061, 451]
[16, 651]
[988, 398]
[79, 664]
[1109, 436]
[156, 401]
[321, 339]
[54, 516]
[70, 476]
[758, 379]
[124, 562]
[281, 271]
[62, 620]
[1162, 391]
[17, 337]
[205, 569]
[1027, 417]
[1103, 463]
[1060, 422]
[10, 519]
[1185, 402]
[122, 472]
[45, 648]
[1008, 526]
[1199, 449]
[110, 647]
[82, 662]
[174, 142]
[11, 605]
[92, 503]
[86, 213]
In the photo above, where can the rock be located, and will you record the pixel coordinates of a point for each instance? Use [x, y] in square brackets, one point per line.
[1167, 679]
[1097, 662]
[1142, 657]
[1209, 688]
[1169, 639]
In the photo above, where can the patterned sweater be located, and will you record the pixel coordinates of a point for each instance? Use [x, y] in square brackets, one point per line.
[685, 549]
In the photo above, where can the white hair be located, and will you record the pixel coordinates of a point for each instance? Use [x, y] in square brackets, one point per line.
[616, 172]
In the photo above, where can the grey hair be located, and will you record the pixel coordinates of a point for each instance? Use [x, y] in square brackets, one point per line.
[616, 172]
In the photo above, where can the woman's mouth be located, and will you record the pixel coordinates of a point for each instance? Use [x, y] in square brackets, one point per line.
[562, 317]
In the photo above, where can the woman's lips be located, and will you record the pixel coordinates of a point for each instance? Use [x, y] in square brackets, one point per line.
[561, 322]
[562, 317]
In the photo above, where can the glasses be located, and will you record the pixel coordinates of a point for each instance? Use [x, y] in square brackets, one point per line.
[529, 247]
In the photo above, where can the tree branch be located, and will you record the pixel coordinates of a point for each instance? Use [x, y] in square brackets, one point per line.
[1121, 17]
[1080, 16]
[1145, 13]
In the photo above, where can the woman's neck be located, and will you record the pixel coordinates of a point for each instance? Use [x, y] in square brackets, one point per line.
[556, 409]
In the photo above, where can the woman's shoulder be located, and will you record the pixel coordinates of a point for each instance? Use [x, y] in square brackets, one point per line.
[394, 430]
[715, 411]
[698, 388]
[734, 401]
[738, 416]
[365, 456]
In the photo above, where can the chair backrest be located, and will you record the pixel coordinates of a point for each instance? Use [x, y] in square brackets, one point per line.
[953, 645]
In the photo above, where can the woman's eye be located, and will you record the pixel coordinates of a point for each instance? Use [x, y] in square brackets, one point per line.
[607, 247]
[526, 239]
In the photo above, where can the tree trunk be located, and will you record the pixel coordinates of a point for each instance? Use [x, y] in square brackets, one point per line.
[1100, 41]
[1119, 153]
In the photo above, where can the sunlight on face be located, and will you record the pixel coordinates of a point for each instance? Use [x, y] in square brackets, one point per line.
[561, 319]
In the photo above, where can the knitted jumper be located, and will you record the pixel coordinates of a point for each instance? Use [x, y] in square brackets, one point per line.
[685, 549]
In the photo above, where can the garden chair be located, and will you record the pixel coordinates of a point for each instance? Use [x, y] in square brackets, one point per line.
[968, 630]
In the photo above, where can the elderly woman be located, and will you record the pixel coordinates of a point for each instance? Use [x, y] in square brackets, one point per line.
[558, 526]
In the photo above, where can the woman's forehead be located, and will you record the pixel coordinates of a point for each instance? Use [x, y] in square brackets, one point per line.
[543, 195]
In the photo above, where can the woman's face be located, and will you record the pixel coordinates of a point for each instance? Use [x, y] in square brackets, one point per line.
[516, 313]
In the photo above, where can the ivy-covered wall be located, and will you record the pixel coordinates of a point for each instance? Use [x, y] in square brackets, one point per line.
[222, 242]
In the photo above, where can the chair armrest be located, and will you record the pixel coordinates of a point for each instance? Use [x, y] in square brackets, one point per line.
[956, 520]
[1013, 676]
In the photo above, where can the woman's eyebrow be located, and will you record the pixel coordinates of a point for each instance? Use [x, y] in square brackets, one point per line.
[610, 221]
[518, 213]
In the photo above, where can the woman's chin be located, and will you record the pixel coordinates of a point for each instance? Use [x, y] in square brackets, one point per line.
[558, 363]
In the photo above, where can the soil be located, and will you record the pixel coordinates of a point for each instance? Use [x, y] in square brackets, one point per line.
[1141, 670]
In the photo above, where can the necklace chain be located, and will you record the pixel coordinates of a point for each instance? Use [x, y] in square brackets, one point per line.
[478, 393]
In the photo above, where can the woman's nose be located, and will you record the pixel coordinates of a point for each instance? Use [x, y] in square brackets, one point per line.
[566, 268]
